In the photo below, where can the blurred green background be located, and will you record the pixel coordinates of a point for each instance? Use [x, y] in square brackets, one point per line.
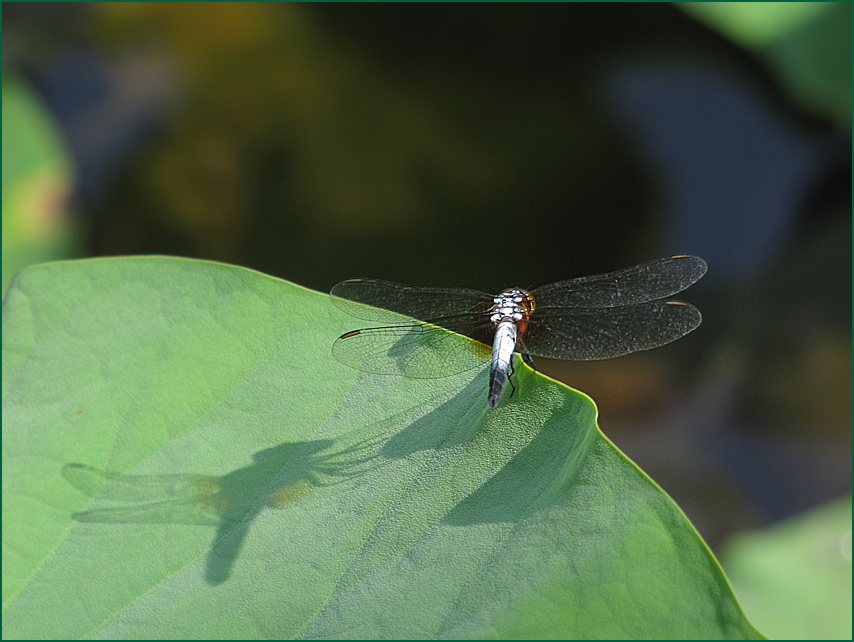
[488, 146]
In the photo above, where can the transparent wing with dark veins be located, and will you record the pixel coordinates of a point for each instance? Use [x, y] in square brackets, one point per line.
[649, 281]
[417, 351]
[404, 347]
[586, 334]
[383, 301]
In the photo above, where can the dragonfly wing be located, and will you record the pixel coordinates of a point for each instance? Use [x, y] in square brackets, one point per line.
[384, 301]
[645, 282]
[417, 351]
[603, 333]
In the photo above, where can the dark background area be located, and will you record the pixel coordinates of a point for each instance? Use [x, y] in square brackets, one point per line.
[488, 146]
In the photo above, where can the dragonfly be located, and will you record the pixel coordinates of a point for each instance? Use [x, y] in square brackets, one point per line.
[582, 319]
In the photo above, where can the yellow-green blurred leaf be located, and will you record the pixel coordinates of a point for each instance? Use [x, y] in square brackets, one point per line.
[807, 45]
[794, 579]
[36, 183]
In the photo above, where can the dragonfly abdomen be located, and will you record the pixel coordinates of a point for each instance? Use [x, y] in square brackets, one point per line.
[502, 351]
[510, 315]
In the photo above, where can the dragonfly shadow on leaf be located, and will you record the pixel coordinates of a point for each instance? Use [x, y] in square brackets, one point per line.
[464, 411]
[536, 476]
[278, 478]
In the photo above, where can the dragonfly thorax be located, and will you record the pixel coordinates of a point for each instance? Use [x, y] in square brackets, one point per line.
[511, 305]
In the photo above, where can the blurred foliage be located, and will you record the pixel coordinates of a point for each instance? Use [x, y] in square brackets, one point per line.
[36, 183]
[793, 580]
[354, 138]
[807, 44]
[290, 130]
[757, 23]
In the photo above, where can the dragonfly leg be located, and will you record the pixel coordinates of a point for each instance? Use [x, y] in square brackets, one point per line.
[510, 379]
[527, 359]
